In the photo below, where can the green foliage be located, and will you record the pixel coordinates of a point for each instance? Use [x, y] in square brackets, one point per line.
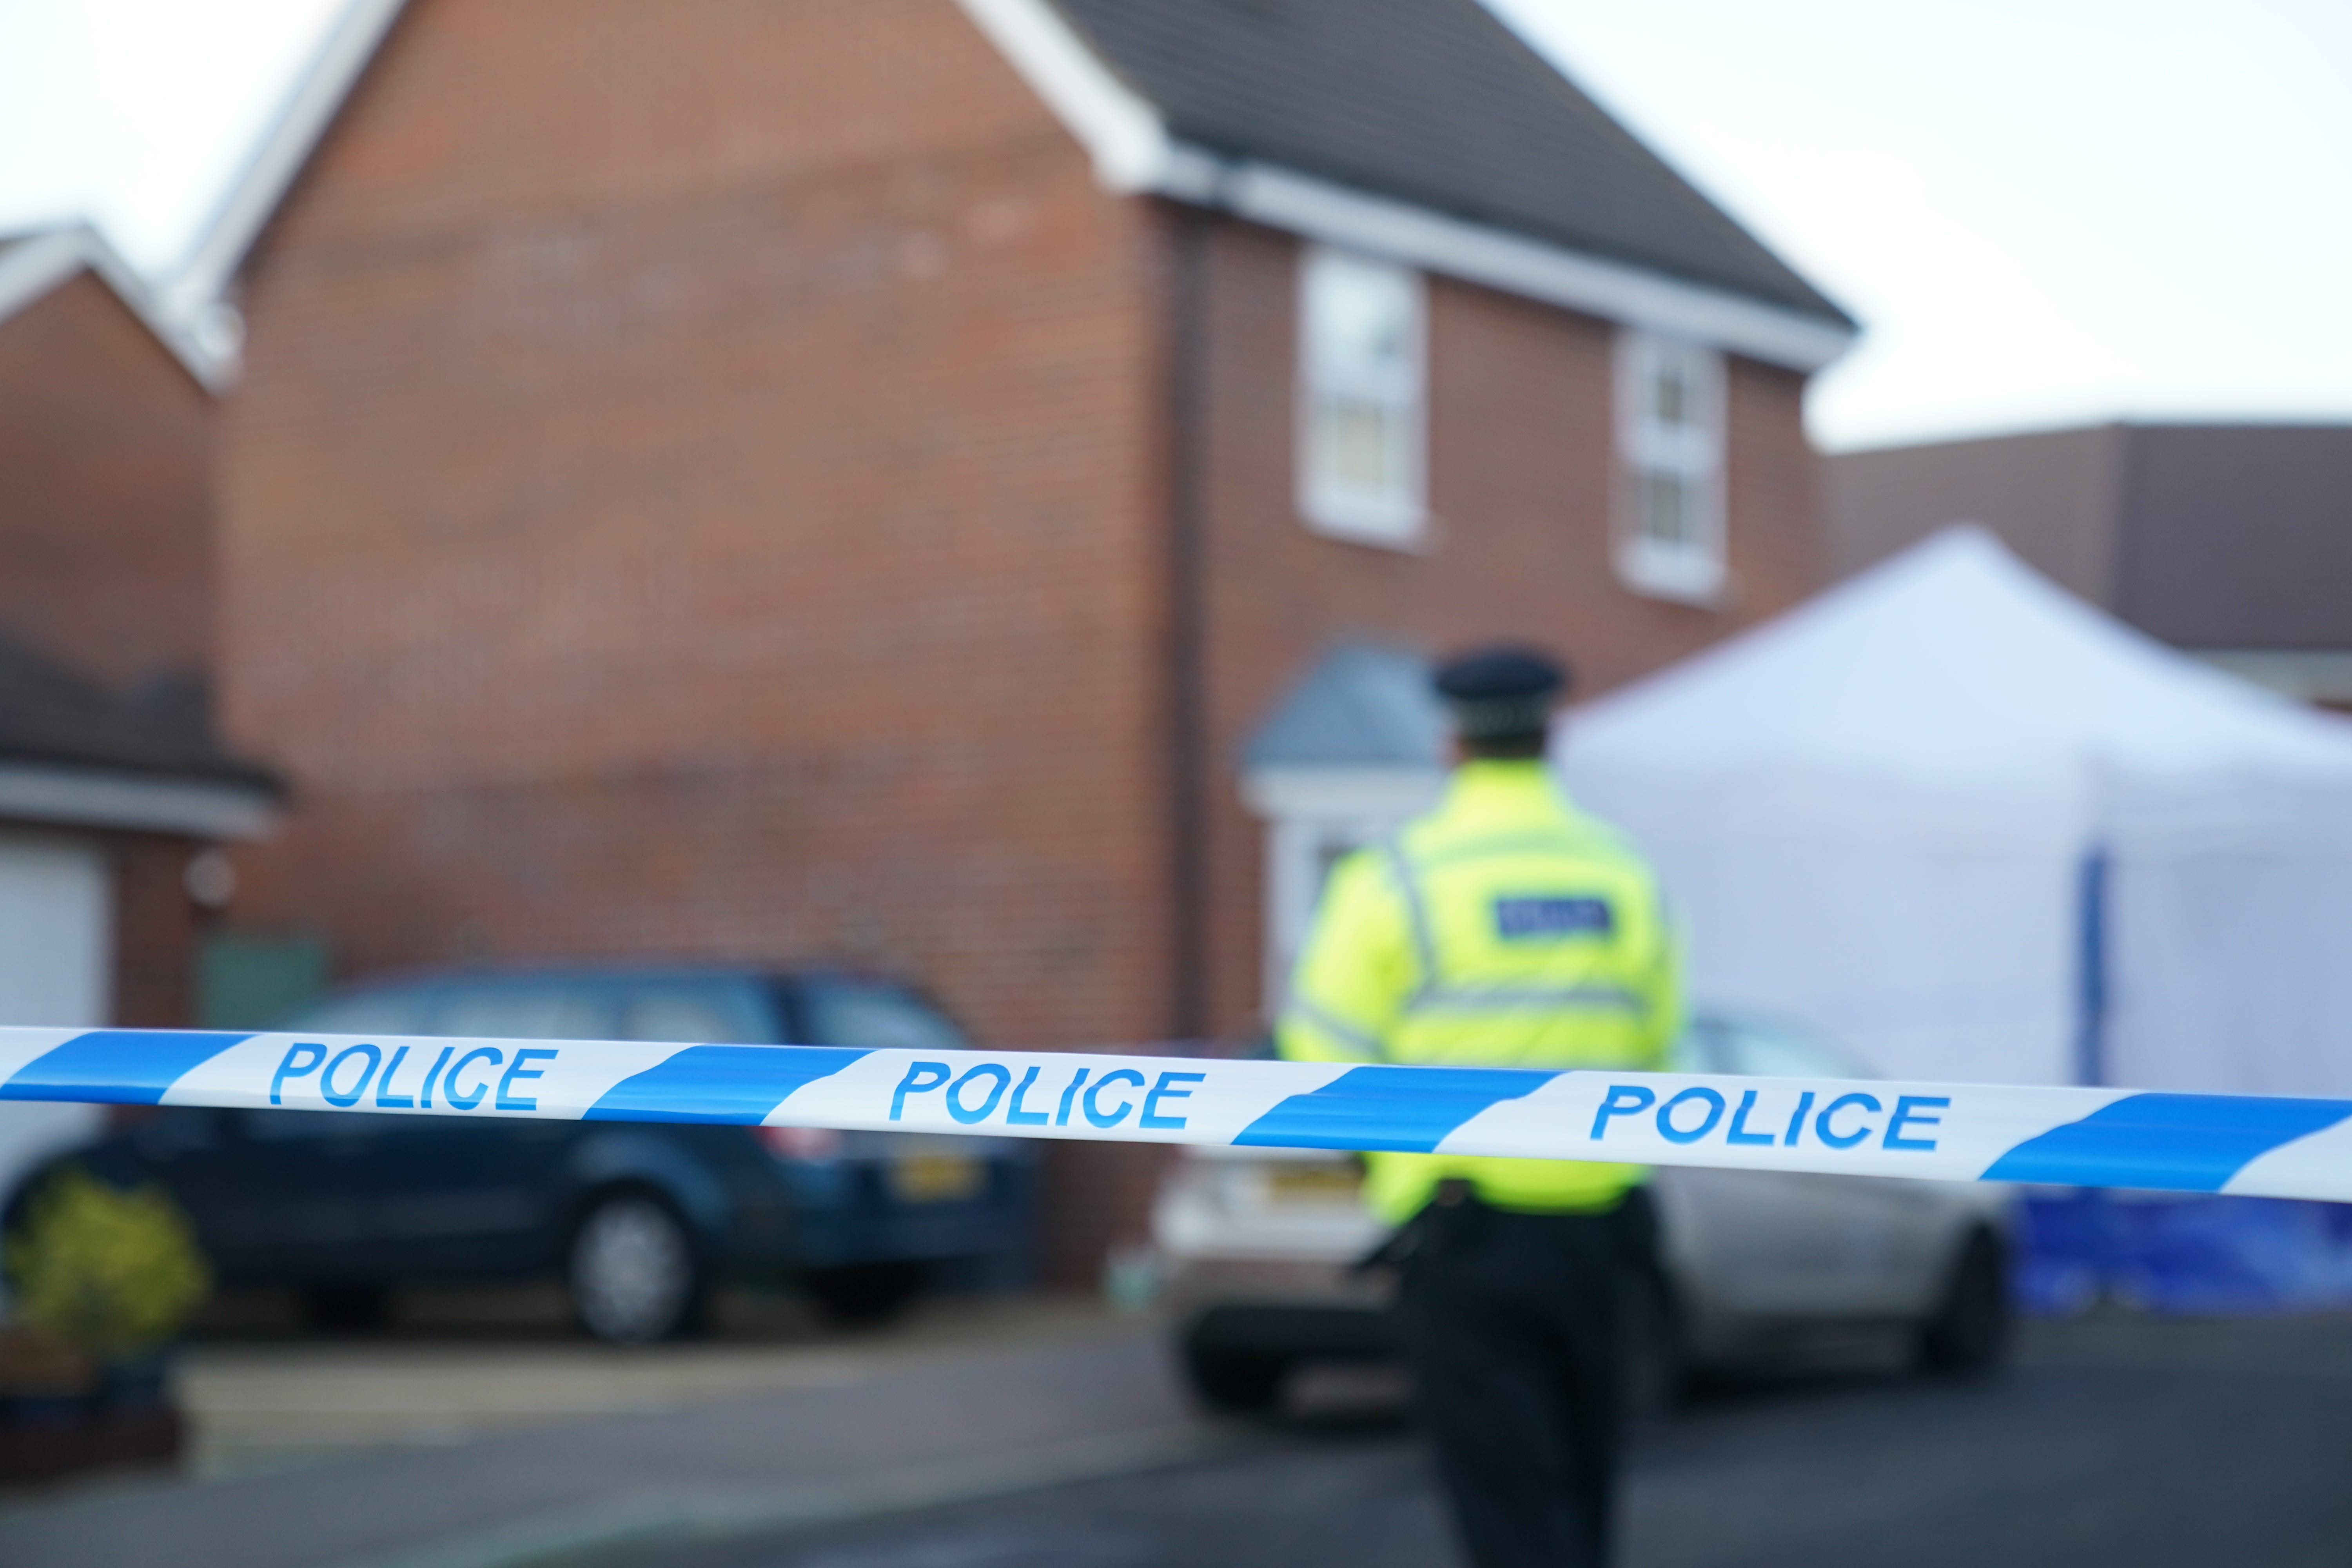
[110, 1273]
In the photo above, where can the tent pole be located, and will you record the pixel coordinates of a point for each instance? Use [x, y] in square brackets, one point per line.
[2092, 996]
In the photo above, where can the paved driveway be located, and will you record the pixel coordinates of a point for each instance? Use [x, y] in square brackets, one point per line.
[425, 1455]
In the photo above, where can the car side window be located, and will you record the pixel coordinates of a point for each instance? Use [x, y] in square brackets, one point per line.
[701, 1012]
[528, 1010]
[874, 1017]
[1776, 1050]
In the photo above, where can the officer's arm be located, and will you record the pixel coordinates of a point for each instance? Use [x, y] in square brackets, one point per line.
[1355, 971]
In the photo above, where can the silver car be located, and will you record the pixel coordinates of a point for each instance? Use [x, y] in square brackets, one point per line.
[1255, 1248]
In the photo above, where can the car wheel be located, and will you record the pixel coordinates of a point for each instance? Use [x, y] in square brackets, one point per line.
[1233, 1381]
[1969, 1333]
[864, 1295]
[632, 1271]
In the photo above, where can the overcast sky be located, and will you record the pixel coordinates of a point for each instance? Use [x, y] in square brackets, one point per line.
[2046, 211]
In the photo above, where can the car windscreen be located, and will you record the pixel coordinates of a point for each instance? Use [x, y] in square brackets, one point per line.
[873, 1017]
[705, 1012]
[1766, 1049]
[528, 1010]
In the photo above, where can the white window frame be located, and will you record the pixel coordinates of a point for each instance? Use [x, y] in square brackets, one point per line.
[1695, 568]
[1313, 817]
[1396, 517]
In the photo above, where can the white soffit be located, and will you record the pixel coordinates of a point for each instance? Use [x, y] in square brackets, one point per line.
[1134, 154]
[34, 265]
[85, 798]
[1553, 274]
[203, 281]
[1119, 129]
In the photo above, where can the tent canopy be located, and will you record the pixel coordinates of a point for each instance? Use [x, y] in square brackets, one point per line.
[1953, 663]
[1876, 811]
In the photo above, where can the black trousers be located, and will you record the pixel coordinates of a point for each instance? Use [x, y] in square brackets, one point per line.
[1512, 1325]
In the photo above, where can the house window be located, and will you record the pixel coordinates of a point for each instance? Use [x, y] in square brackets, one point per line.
[1361, 418]
[1670, 510]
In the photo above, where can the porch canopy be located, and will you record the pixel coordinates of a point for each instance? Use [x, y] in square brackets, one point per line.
[1984, 832]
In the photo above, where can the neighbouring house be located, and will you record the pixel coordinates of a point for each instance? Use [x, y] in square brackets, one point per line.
[855, 479]
[106, 440]
[112, 791]
[2230, 541]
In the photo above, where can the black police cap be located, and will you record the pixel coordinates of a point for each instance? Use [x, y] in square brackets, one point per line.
[1501, 693]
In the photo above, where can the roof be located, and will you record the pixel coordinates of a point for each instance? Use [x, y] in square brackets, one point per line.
[1438, 104]
[2237, 536]
[1361, 707]
[2230, 537]
[64, 740]
[34, 265]
[1423, 130]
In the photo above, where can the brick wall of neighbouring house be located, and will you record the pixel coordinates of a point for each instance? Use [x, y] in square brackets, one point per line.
[1519, 484]
[156, 931]
[690, 496]
[105, 449]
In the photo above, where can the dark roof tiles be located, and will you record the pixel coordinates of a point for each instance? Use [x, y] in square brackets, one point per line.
[51, 715]
[1433, 101]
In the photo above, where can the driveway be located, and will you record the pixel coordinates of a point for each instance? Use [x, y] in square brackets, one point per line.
[424, 1454]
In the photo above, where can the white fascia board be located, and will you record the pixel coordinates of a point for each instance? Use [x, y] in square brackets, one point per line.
[31, 266]
[1134, 154]
[35, 265]
[86, 798]
[1534, 269]
[1122, 133]
[202, 284]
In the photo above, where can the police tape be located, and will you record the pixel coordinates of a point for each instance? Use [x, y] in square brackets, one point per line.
[1940, 1131]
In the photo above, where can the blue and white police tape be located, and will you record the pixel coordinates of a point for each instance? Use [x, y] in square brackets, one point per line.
[1943, 1132]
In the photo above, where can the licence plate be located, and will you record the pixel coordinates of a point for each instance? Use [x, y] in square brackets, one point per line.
[1313, 1184]
[936, 1178]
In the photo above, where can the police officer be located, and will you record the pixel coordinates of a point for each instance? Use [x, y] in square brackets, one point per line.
[1505, 928]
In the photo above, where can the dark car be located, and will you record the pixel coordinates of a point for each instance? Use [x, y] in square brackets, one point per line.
[638, 1220]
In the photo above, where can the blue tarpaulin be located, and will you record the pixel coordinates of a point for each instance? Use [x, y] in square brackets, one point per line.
[2184, 1253]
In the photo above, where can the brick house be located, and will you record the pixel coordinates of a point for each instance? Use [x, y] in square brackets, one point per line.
[851, 478]
[110, 785]
[2230, 541]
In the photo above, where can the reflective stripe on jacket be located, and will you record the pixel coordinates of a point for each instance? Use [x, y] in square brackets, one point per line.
[1503, 928]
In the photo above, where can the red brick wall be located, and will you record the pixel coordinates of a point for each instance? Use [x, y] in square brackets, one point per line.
[700, 489]
[104, 507]
[691, 496]
[1520, 484]
[156, 931]
[687, 499]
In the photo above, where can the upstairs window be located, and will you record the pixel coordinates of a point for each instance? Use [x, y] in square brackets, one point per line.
[1670, 507]
[1362, 419]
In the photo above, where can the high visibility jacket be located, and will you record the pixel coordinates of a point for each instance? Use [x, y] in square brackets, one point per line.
[1503, 928]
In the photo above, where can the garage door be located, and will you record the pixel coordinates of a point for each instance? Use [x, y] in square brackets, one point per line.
[56, 924]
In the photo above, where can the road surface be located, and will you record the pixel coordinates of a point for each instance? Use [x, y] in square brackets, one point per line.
[2159, 1444]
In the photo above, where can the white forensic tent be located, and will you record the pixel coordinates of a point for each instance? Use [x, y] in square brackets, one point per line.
[1945, 807]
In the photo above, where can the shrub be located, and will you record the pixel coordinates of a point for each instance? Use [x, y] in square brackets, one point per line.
[110, 1272]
